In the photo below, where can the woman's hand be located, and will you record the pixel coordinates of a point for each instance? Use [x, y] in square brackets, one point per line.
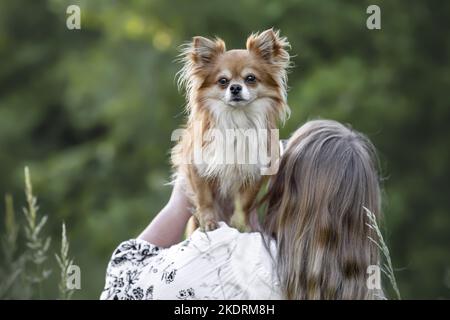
[168, 227]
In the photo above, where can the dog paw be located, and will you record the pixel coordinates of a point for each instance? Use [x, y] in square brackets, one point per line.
[209, 225]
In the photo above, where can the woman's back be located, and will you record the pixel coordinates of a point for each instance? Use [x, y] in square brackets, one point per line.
[221, 264]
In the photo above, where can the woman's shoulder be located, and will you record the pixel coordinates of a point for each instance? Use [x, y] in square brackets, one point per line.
[224, 233]
[246, 244]
[241, 246]
[218, 264]
[251, 257]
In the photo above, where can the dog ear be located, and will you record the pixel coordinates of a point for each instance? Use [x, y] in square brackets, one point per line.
[269, 46]
[204, 51]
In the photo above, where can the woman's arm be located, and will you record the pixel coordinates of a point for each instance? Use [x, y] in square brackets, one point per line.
[167, 228]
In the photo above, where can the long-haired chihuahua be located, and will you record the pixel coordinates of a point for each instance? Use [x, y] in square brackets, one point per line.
[229, 94]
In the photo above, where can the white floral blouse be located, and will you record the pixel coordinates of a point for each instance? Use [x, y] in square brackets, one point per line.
[220, 264]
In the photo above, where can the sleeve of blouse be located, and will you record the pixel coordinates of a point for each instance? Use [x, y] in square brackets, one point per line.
[125, 267]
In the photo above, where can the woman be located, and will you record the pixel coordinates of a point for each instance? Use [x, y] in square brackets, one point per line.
[313, 244]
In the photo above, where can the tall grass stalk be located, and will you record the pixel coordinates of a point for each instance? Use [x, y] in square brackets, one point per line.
[36, 244]
[64, 263]
[386, 267]
[22, 266]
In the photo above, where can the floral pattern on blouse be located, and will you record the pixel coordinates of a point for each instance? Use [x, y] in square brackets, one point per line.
[220, 264]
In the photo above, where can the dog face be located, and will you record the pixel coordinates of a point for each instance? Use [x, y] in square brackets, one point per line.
[237, 79]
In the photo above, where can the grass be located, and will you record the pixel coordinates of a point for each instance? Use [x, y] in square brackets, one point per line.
[36, 243]
[25, 264]
[386, 267]
[64, 263]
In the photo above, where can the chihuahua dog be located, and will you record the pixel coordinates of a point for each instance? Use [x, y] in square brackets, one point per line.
[237, 91]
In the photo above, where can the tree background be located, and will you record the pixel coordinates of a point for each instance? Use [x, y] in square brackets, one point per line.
[91, 111]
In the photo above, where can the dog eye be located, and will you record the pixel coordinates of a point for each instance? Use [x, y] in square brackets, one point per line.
[250, 78]
[223, 81]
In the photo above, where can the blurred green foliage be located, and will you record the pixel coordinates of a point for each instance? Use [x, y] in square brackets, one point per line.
[91, 111]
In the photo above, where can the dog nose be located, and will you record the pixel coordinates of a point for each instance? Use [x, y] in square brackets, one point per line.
[235, 89]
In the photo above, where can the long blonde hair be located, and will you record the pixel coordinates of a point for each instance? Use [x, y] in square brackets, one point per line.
[315, 211]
